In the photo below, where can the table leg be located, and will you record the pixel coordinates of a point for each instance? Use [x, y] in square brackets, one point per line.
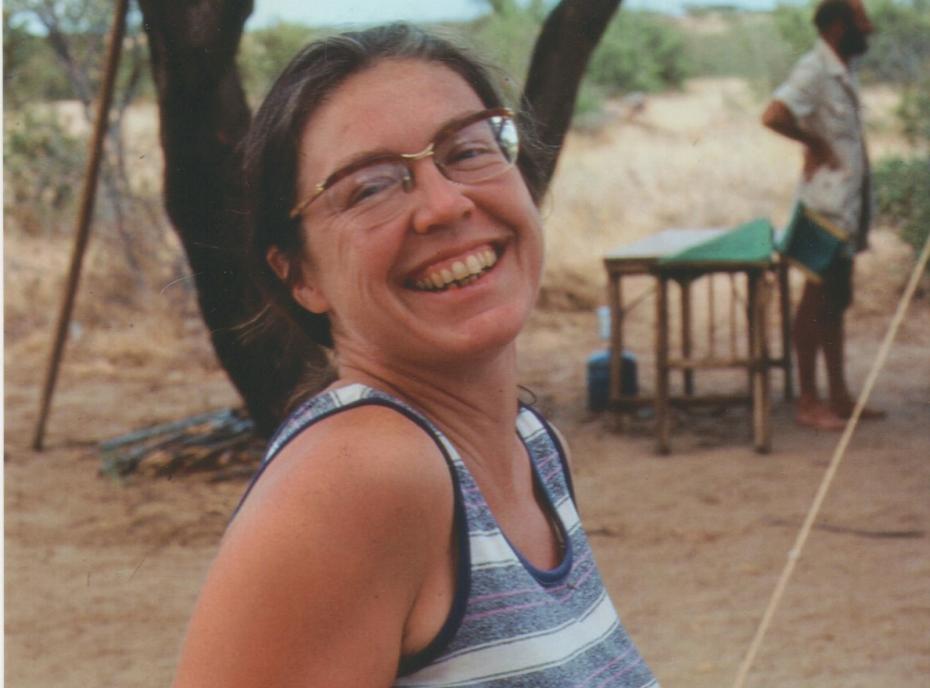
[662, 405]
[758, 362]
[615, 303]
[687, 373]
[733, 300]
[784, 301]
[711, 318]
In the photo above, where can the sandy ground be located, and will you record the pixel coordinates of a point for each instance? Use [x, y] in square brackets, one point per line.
[101, 575]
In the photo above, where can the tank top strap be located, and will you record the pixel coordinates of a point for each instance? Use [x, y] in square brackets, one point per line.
[340, 399]
[546, 452]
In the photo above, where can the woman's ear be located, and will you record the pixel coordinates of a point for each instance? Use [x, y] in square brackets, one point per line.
[303, 288]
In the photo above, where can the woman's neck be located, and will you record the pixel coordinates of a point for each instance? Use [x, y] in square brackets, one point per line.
[474, 405]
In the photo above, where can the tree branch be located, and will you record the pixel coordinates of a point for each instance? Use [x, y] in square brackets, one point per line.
[568, 37]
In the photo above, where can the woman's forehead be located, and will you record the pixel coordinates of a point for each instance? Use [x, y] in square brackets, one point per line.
[395, 105]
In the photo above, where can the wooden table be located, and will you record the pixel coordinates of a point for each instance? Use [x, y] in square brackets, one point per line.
[642, 258]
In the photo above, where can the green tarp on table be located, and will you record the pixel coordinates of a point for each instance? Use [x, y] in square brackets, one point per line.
[751, 242]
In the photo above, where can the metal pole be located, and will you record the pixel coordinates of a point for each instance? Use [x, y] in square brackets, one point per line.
[88, 196]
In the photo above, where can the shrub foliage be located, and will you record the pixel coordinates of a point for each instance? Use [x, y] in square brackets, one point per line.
[902, 184]
[903, 194]
[640, 51]
[42, 168]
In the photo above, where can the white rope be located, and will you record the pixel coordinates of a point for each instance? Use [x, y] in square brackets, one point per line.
[794, 554]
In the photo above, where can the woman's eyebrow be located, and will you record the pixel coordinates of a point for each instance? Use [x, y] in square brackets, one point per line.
[364, 157]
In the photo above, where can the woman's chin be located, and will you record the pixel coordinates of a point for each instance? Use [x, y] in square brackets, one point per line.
[494, 328]
[482, 336]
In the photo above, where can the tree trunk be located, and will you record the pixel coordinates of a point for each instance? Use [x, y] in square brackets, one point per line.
[204, 116]
[568, 37]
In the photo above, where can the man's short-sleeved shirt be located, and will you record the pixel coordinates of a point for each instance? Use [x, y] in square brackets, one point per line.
[823, 96]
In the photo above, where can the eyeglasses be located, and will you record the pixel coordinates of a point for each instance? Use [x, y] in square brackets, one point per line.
[473, 149]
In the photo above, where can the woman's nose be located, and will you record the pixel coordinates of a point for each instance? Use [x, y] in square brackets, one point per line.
[439, 201]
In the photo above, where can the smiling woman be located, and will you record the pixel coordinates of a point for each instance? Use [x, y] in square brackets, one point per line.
[412, 524]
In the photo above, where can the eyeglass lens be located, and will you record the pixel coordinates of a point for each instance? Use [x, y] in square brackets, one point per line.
[476, 152]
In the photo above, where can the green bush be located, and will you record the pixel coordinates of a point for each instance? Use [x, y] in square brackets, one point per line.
[640, 51]
[505, 38]
[264, 52]
[69, 65]
[589, 102]
[902, 185]
[42, 168]
[899, 50]
[903, 194]
[760, 47]
[900, 54]
[30, 71]
[914, 112]
[795, 26]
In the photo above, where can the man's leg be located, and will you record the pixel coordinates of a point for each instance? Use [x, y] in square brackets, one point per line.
[810, 336]
[807, 341]
[834, 357]
[837, 298]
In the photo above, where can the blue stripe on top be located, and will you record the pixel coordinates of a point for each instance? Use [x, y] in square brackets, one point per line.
[511, 624]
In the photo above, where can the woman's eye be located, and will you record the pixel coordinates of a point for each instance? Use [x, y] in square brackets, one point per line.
[365, 189]
[470, 153]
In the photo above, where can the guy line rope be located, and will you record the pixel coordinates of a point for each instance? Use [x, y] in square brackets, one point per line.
[795, 552]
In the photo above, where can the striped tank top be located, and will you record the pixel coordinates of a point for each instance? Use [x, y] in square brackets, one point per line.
[511, 624]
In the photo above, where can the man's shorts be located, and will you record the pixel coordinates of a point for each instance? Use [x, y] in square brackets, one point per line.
[837, 282]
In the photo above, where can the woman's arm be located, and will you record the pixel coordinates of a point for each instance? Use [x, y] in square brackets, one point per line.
[317, 576]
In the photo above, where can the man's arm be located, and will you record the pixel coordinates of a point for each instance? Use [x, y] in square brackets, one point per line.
[817, 152]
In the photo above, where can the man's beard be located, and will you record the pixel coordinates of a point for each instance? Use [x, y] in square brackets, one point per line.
[853, 43]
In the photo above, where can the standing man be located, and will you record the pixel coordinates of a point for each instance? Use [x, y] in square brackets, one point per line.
[818, 106]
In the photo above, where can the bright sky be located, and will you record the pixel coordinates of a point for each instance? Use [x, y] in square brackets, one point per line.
[374, 11]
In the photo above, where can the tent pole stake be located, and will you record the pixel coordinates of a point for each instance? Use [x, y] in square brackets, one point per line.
[88, 197]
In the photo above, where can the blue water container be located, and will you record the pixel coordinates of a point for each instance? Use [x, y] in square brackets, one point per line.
[599, 378]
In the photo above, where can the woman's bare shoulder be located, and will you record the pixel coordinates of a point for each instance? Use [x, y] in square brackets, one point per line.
[360, 469]
[330, 549]
[369, 448]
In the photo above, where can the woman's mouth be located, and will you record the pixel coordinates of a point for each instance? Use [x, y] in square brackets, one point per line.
[459, 272]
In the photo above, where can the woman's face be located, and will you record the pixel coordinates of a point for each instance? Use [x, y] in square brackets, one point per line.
[378, 280]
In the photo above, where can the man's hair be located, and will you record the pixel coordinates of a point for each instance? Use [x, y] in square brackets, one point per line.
[830, 11]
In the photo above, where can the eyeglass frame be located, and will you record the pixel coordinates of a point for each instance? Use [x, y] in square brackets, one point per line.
[407, 158]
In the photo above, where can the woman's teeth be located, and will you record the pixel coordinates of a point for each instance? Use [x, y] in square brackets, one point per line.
[459, 273]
